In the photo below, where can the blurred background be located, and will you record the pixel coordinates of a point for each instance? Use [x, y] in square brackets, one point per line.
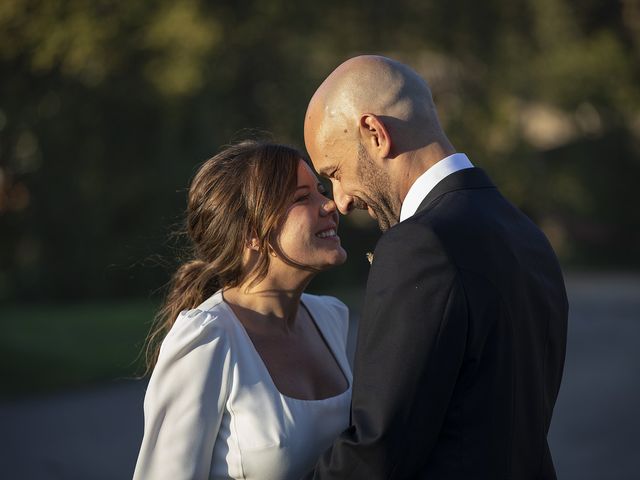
[107, 108]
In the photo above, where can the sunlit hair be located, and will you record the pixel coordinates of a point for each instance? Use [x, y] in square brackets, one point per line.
[241, 193]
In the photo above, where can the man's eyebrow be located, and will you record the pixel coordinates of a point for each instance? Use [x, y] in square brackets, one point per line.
[327, 171]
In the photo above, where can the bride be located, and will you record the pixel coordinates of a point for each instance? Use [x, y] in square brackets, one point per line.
[251, 380]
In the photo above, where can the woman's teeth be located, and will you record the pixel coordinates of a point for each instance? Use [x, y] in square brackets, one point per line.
[326, 233]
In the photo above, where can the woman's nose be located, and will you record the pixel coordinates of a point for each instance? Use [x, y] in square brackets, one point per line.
[329, 206]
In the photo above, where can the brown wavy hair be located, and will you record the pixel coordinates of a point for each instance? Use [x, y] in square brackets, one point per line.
[239, 194]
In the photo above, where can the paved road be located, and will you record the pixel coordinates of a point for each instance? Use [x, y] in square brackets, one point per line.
[94, 434]
[595, 432]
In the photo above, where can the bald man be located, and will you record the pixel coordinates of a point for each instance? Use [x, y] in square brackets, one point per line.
[462, 340]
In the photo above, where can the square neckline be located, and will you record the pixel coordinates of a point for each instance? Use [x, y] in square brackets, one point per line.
[239, 325]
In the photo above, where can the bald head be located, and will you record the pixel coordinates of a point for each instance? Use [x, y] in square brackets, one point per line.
[372, 128]
[376, 85]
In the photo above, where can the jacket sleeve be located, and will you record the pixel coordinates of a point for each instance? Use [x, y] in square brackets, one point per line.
[185, 400]
[410, 348]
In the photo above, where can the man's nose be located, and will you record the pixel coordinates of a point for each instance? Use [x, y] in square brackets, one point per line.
[343, 201]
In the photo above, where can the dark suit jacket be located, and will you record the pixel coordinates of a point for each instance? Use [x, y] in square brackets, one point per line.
[461, 345]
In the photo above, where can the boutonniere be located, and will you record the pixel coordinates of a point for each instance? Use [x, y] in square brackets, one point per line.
[370, 257]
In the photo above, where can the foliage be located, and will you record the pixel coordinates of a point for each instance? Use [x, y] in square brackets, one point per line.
[106, 107]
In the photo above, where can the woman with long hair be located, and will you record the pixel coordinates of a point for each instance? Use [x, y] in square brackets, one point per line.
[251, 379]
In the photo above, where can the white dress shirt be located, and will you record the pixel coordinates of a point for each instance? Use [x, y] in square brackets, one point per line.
[212, 410]
[429, 179]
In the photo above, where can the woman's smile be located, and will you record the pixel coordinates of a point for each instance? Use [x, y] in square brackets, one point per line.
[328, 234]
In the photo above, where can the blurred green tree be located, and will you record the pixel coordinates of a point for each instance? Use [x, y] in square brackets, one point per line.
[106, 107]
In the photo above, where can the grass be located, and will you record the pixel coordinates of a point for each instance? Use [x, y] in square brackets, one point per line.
[44, 348]
[51, 347]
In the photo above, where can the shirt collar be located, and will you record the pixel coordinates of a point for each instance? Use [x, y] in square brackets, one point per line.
[429, 179]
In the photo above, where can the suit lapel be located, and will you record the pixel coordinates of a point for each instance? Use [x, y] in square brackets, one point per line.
[469, 178]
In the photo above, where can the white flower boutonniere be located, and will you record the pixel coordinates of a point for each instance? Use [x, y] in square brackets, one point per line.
[370, 257]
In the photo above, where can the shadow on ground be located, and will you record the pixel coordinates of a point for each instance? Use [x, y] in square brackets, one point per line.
[94, 434]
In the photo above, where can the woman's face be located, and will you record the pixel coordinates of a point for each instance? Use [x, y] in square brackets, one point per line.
[308, 236]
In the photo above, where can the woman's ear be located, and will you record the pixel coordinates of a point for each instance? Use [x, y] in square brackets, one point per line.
[375, 136]
[253, 244]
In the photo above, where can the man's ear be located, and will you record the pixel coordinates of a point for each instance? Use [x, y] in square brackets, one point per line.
[375, 136]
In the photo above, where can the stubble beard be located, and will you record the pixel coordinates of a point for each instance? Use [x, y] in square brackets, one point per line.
[379, 187]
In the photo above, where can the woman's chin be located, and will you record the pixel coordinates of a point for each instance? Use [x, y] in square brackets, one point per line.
[339, 258]
[334, 260]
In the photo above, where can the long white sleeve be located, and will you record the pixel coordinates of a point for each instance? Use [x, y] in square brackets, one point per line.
[185, 400]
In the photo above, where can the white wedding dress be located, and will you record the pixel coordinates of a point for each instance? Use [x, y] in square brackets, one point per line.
[212, 410]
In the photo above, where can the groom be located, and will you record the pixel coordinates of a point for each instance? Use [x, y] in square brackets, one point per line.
[462, 340]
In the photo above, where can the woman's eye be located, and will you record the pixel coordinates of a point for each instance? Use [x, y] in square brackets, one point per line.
[301, 198]
[323, 190]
